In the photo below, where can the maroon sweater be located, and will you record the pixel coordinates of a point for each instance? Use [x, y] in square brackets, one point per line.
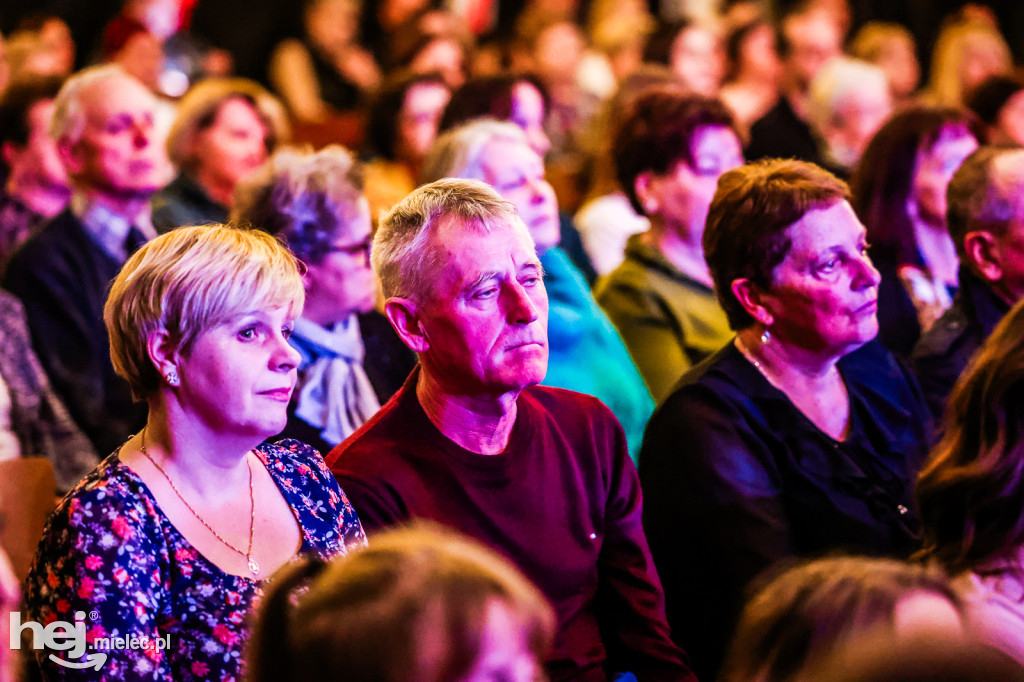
[562, 502]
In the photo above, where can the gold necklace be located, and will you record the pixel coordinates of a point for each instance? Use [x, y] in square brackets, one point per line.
[254, 567]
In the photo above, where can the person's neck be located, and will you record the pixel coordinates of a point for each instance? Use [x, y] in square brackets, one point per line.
[198, 457]
[216, 189]
[46, 199]
[685, 252]
[797, 98]
[937, 250]
[787, 366]
[130, 207]
[478, 423]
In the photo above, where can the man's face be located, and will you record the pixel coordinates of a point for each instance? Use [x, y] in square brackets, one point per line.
[118, 153]
[38, 159]
[485, 321]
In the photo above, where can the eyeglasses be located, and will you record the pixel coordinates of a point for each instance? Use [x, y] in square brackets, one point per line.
[360, 249]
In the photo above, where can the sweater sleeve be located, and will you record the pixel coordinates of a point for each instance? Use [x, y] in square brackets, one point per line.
[629, 597]
[713, 515]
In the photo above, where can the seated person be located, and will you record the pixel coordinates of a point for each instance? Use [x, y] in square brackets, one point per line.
[970, 490]
[983, 214]
[36, 186]
[669, 153]
[224, 130]
[37, 422]
[813, 611]
[540, 474]
[799, 437]
[585, 353]
[104, 128]
[899, 193]
[420, 604]
[175, 532]
[352, 360]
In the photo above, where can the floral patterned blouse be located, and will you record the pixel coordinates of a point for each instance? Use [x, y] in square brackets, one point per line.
[110, 552]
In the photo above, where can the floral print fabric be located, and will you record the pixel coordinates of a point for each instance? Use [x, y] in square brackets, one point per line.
[110, 552]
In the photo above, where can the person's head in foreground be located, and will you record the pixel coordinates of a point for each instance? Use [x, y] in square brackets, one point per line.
[499, 153]
[809, 612]
[789, 261]
[969, 492]
[199, 321]
[421, 604]
[464, 290]
[314, 203]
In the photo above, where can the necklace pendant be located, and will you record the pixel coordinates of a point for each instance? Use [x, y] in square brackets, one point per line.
[254, 567]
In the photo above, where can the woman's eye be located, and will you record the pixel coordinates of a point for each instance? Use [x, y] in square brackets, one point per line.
[247, 334]
[286, 332]
[829, 265]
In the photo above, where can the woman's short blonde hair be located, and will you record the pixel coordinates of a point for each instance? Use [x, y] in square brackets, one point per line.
[187, 282]
[198, 109]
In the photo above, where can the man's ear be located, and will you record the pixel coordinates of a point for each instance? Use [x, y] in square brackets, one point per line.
[403, 313]
[983, 253]
[753, 300]
[643, 186]
[162, 352]
[70, 156]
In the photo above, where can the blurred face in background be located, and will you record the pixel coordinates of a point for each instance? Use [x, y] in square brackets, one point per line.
[517, 173]
[38, 162]
[813, 40]
[698, 60]
[232, 146]
[934, 169]
[528, 114]
[417, 123]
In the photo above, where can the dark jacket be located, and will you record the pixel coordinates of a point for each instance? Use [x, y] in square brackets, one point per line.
[943, 351]
[736, 479]
[62, 277]
[183, 202]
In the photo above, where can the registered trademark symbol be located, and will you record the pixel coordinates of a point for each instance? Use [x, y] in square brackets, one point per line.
[93, 615]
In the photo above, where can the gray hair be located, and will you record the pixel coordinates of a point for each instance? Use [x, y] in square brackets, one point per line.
[984, 193]
[402, 256]
[306, 199]
[840, 80]
[68, 121]
[458, 152]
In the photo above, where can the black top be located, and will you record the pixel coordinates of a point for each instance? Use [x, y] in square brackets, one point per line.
[184, 202]
[780, 133]
[943, 351]
[736, 478]
[62, 277]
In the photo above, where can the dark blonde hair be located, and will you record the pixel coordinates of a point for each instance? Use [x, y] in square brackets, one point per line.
[369, 615]
[188, 281]
[809, 609]
[971, 491]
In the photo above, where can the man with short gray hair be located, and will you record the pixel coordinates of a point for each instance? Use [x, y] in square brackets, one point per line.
[471, 441]
[985, 218]
[103, 125]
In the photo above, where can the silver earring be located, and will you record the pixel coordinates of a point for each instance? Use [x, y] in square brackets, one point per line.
[172, 378]
[766, 336]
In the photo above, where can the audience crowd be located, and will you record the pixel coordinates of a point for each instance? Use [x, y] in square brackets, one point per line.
[512, 341]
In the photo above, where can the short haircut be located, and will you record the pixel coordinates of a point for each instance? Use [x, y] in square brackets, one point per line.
[413, 605]
[874, 37]
[68, 117]
[658, 133]
[809, 609]
[969, 492]
[382, 137]
[458, 153]
[200, 106]
[16, 103]
[402, 257]
[306, 199]
[488, 97]
[985, 193]
[884, 178]
[838, 82]
[187, 282]
[746, 235]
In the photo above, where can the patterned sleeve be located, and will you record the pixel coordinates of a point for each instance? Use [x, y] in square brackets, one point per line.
[330, 522]
[99, 563]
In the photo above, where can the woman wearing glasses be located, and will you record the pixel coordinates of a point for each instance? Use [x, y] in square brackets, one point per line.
[352, 360]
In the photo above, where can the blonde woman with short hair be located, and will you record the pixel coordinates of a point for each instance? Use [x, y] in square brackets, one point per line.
[170, 538]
